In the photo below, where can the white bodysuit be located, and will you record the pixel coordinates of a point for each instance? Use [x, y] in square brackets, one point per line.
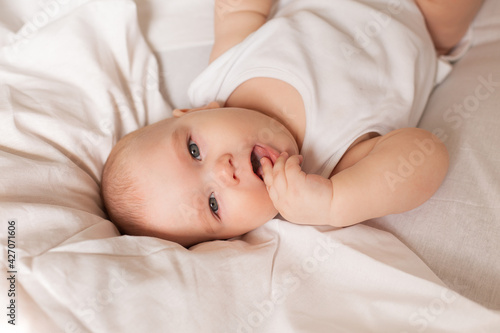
[360, 66]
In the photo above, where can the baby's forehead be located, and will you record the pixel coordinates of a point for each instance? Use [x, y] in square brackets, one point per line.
[153, 133]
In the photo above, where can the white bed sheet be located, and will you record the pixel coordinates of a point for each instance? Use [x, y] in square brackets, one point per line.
[75, 81]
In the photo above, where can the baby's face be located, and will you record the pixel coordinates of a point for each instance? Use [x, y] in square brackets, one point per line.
[197, 175]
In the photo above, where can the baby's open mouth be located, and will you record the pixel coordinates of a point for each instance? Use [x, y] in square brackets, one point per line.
[259, 152]
[256, 166]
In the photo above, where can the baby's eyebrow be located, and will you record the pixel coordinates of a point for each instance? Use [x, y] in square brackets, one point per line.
[206, 220]
[177, 143]
[206, 224]
[202, 218]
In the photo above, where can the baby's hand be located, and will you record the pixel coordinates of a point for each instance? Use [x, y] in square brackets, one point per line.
[299, 197]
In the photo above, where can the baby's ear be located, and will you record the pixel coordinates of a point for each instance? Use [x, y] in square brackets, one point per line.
[212, 105]
[180, 112]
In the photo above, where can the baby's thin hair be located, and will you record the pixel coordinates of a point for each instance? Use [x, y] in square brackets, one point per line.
[124, 202]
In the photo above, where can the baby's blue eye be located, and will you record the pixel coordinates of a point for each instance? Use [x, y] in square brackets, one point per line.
[212, 202]
[194, 150]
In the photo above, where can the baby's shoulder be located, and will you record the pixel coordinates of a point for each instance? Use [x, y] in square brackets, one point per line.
[274, 97]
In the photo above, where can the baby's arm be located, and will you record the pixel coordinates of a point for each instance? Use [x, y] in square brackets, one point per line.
[384, 175]
[448, 20]
[234, 20]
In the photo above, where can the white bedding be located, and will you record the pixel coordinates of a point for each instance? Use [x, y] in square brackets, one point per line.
[75, 76]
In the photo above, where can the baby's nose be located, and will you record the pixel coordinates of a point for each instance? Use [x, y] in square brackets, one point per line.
[225, 171]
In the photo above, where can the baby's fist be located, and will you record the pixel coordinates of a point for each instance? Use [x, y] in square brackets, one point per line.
[299, 197]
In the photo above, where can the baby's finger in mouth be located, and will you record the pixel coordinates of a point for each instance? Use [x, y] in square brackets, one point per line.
[267, 169]
[296, 158]
[280, 162]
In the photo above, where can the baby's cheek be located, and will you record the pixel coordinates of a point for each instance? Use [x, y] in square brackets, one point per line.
[254, 208]
[263, 205]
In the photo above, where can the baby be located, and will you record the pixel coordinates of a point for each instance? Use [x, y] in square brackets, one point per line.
[339, 82]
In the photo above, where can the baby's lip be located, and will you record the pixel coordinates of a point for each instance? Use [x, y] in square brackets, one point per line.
[266, 151]
[258, 152]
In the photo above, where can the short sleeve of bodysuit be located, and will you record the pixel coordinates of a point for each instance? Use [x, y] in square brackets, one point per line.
[360, 66]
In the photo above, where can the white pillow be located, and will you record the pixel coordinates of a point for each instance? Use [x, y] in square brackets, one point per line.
[70, 89]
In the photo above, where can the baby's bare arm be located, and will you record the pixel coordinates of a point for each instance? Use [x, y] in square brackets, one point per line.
[448, 20]
[234, 20]
[390, 174]
[385, 175]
